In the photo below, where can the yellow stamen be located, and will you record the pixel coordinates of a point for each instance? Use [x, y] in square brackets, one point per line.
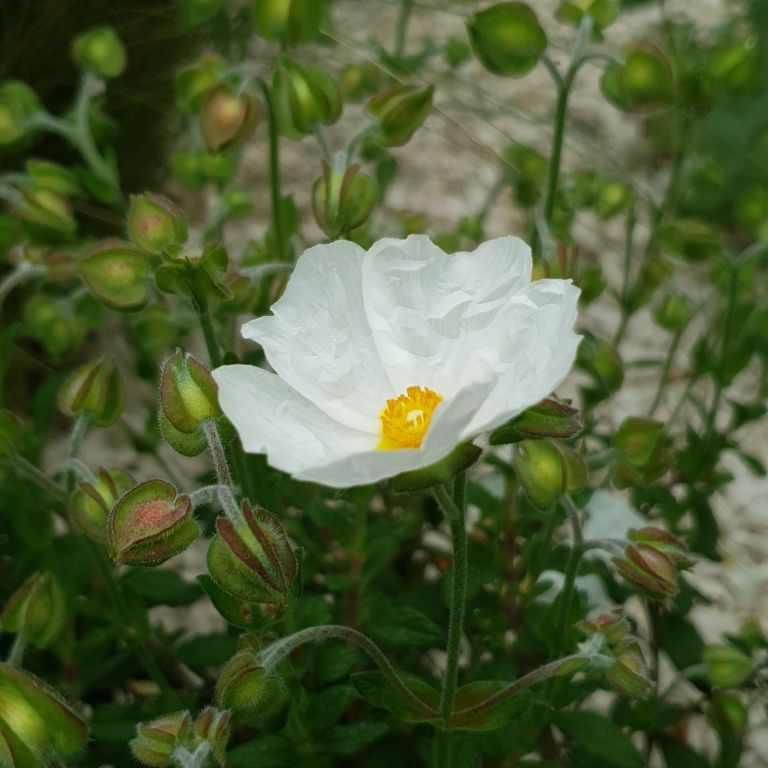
[405, 419]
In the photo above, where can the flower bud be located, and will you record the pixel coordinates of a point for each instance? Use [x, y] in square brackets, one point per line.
[643, 452]
[213, 726]
[549, 418]
[253, 561]
[400, 111]
[38, 716]
[155, 222]
[186, 443]
[342, 201]
[541, 471]
[530, 172]
[612, 197]
[241, 684]
[727, 666]
[188, 393]
[652, 572]
[96, 390]
[91, 502]
[116, 274]
[14, 753]
[227, 118]
[601, 359]
[665, 542]
[692, 240]
[48, 175]
[735, 66]
[646, 77]
[303, 95]
[629, 675]
[156, 740]
[613, 626]
[287, 21]
[194, 83]
[18, 102]
[673, 313]
[602, 12]
[726, 714]
[47, 214]
[150, 524]
[37, 610]
[99, 50]
[507, 38]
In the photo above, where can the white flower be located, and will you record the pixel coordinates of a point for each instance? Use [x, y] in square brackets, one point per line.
[385, 360]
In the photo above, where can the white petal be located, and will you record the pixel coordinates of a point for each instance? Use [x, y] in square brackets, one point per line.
[318, 339]
[443, 436]
[272, 418]
[531, 347]
[429, 312]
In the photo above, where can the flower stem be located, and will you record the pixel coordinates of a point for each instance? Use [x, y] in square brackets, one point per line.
[571, 569]
[275, 653]
[30, 471]
[453, 508]
[16, 656]
[278, 222]
[79, 429]
[406, 6]
[217, 452]
[668, 360]
[20, 273]
[210, 339]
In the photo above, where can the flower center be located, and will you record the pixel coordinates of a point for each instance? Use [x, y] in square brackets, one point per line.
[405, 419]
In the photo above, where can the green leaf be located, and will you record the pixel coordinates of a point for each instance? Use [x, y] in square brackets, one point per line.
[474, 693]
[400, 625]
[334, 662]
[269, 751]
[321, 711]
[378, 691]
[599, 737]
[159, 587]
[348, 739]
[204, 651]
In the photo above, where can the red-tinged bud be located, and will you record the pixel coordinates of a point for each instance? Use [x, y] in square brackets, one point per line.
[507, 38]
[96, 390]
[303, 95]
[629, 675]
[547, 419]
[213, 725]
[150, 524]
[400, 111]
[100, 50]
[342, 200]
[91, 502]
[253, 561]
[671, 546]
[727, 666]
[156, 740]
[116, 274]
[613, 626]
[37, 610]
[227, 118]
[650, 571]
[38, 716]
[155, 222]
[188, 393]
[643, 452]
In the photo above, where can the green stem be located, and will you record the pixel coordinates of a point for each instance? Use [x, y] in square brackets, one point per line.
[209, 334]
[121, 608]
[217, 452]
[16, 656]
[30, 471]
[571, 569]
[664, 375]
[406, 6]
[275, 653]
[24, 271]
[453, 508]
[79, 429]
[278, 223]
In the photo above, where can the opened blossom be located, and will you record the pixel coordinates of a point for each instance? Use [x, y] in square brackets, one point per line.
[385, 360]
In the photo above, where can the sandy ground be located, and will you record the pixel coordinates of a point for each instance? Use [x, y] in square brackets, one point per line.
[446, 171]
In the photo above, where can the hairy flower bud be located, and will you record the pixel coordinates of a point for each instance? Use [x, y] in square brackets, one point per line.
[541, 471]
[242, 682]
[287, 21]
[507, 38]
[727, 666]
[37, 716]
[47, 214]
[227, 118]
[549, 418]
[643, 452]
[671, 546]
[96, 390]
[155, 222]
[18, 102]
[156, 740]
[116, 274]
[649, 570]
[213, 725]
[37, 610]
[400, 111]
[253, 561]
[150, 524]
[100, 50]
[613, 626]
[629, 675]
[91, 502]
[342, 200]
[188, 393]
[303, 95]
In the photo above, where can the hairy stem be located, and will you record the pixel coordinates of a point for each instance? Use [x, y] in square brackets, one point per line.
[571, 569]
[210, 339]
